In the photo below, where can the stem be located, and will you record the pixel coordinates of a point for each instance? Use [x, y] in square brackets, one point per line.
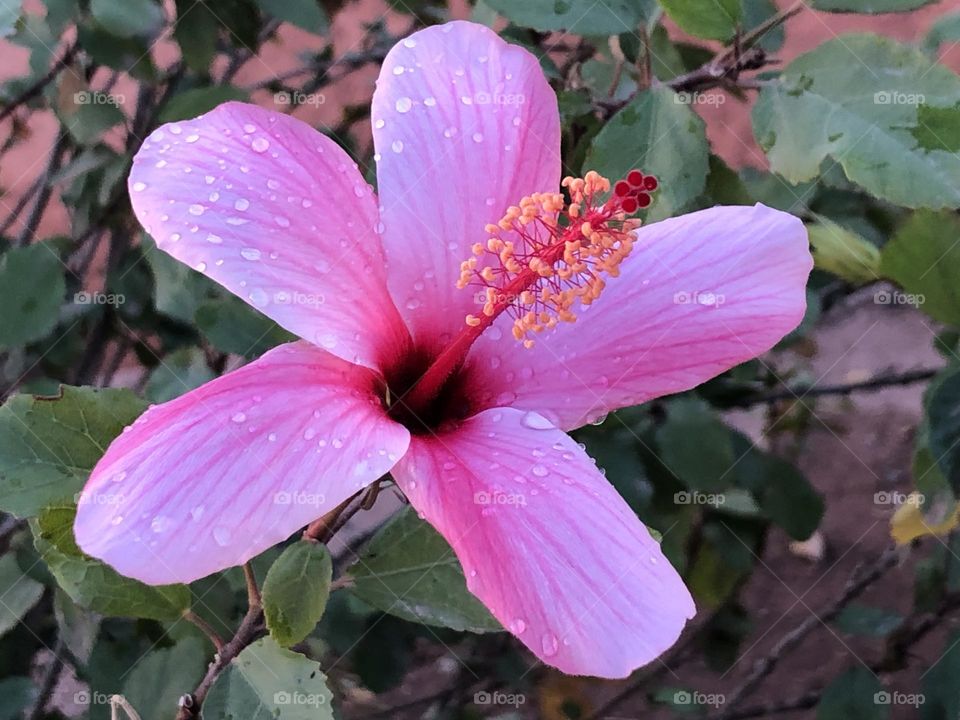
[205, 628]
[253, 592]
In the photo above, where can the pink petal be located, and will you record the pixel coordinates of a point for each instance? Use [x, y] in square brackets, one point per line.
[546, 542]
[222, 473]
[279, 215]
[699, 294]
[465, 125]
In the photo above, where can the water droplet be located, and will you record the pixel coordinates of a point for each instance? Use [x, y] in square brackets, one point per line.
[259, 297]
[222, 535]
[249, 128]
[241, 204]
[139, 186]
[398, 70]
[477, 137]
[238, 417]
[540, 471]
[518, 626]
[403, 104]
[430, 101]
[536, 421]
[397, 146]
[249, 253]
[119, 477]
[159, 524]
[192, 138]
[197, 512]
[196, 209]
[409, 42]
[379, 123]
[282, 221]
[215, 239]
[549, 644]
[309, 434]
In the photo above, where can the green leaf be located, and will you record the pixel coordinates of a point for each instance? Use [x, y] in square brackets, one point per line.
[944, 30]
[95, 585]
[711, 19]
[296, 590]
[853, 696]
[180, 289]
[861, 100]
[181, 371]
[306, 14]
[867, 620]
[16, 695]
[789, 500]
[941, 695]
[583, 17]
[232, 326]
[158, 680]
[18, 592]
[197, 101]
[31, 290]
[48, 446]
[129, 18]
[410, 571]
[10, 11]
[923, 258]
[661, 135]
[843, 253]
[691, 420]
[942, 426]
[197, 36]
[869, 6]
[267, 681]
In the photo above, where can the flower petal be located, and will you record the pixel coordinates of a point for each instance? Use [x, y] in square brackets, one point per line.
[222, 473]
[546, 542]
[278, 214]
[465, 125]
[699, 294]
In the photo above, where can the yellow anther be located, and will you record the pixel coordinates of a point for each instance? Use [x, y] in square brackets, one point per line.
[473, 320]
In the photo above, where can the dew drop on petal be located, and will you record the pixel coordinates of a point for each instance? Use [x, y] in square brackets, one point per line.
[536, 421]
[249, 253]
[397, 146]
[241, 204]
[549, 644]
[403, 104]
[540, 471]
[518, 626]
[139, 186]
[238, 417]
[222, 535]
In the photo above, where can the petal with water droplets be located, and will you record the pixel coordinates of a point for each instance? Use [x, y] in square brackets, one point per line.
[699, 294]
[546, 543]
[466, 125]
[218, 475]
[278, 214]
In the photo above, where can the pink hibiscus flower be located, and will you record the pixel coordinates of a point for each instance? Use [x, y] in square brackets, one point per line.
[404, 369]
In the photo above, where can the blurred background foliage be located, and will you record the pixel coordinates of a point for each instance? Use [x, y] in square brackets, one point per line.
[858, 135]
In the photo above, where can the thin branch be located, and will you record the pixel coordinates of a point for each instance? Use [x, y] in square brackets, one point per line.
[859, 581]
[877, 382]
[205, 628]
[254, 600]
[46, 191]
[37, 87]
